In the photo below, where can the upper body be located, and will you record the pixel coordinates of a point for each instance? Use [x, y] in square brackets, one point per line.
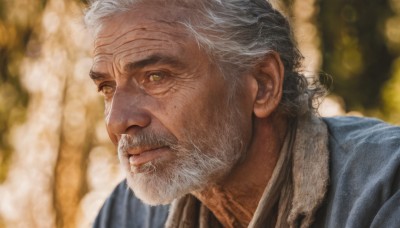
[204, 98]
[363, 190]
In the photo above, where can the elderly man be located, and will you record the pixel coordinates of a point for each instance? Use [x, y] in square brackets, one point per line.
[215, 125]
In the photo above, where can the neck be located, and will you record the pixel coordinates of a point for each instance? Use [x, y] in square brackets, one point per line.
[234, 200]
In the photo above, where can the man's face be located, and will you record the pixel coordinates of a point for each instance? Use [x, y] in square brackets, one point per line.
[178, 123]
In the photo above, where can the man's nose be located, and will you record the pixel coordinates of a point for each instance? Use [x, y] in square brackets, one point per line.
[126, 116]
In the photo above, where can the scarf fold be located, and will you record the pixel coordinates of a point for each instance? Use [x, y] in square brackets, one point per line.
[294, 193]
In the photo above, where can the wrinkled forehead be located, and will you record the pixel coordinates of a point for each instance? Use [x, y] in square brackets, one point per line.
[146, 13]
[140, 33]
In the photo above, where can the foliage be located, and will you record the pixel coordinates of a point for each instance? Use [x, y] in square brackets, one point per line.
[357, 52]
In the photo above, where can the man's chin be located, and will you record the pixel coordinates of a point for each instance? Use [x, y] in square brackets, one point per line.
[163, 184]
[150, 192]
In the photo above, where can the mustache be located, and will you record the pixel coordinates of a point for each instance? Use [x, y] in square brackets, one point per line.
[146, 139]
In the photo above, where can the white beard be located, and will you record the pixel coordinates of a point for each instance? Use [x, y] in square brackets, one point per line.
[204, 157]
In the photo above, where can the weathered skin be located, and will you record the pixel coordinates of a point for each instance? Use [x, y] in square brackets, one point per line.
[153, 75]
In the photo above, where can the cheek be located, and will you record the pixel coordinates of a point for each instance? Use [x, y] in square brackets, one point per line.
[194, 107]
[107, 109]
[181, 115]
[176, 116]
[204, 112]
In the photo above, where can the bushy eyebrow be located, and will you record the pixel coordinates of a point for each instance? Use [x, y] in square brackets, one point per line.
[148, 61]
[97, 76]
[152, 60]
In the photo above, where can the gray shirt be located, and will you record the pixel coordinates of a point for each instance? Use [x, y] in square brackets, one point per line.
[364, 188]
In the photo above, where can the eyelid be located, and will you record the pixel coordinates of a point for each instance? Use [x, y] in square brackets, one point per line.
[163, 74]
[158, 72]
[106, 83]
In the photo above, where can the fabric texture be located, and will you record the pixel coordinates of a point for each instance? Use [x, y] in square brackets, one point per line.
[365, 174]
[296, 188]
[363, 188]
[122, 210]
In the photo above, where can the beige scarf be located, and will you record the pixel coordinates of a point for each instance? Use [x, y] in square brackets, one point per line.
[295, 191]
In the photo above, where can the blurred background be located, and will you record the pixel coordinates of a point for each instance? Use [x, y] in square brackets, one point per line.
[56, 163]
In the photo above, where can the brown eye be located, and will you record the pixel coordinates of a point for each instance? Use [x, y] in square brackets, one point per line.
[155, 77]
[106, 90]
[156, 82]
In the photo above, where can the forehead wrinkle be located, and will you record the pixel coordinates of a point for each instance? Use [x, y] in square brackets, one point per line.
[123, 42]
[156, 58]
[110, 50]
[104, 57]
[125, 54]
[111, 46]
[99, 61]
[145, 27]
[138, 46]
[109, 39]
[122, 54]
[124, 59]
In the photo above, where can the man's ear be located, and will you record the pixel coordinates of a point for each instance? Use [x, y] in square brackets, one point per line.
[269, 75]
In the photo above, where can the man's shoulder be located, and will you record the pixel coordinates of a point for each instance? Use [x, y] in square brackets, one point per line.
[123, 209]
[357, 136]
[359, 130]
[362, 148]
[364, 173]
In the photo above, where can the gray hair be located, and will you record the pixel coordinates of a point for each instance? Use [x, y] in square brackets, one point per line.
[237, 34]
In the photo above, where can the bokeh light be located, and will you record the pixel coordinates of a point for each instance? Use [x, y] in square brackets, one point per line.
[57, 164]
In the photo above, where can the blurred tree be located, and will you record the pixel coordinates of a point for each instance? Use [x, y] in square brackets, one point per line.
[43, 69]
[79, 110]
[355, 51]
[16, 30]
[43, 62]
